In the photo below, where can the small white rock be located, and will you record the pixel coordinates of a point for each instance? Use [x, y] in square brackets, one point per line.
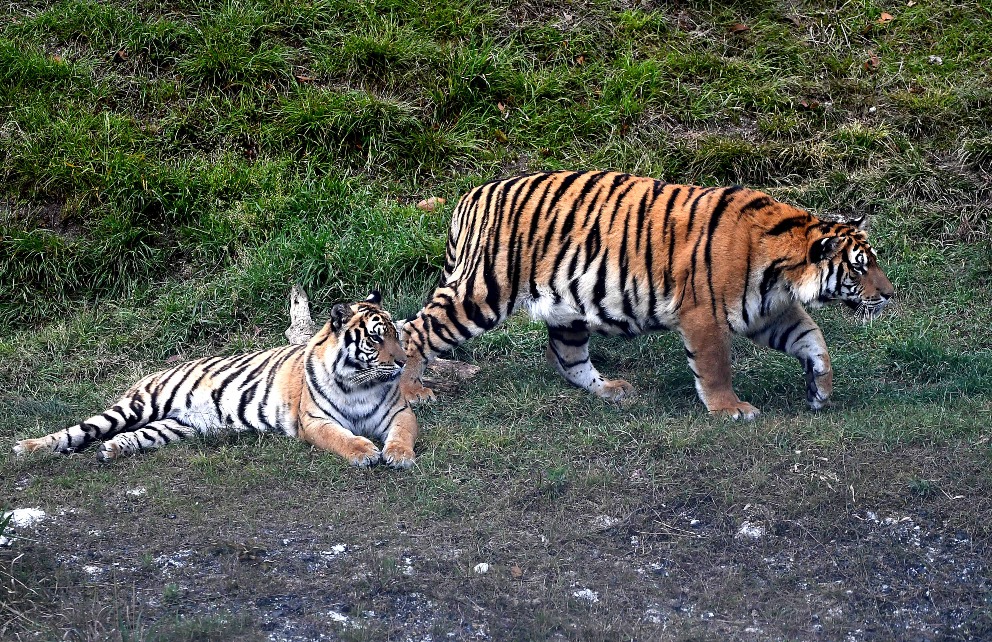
[89, 569]
[935, 60]
[872, 110]
[137, 492]
[587, 594]
[752, 531]
[337, 617]
[481, 568]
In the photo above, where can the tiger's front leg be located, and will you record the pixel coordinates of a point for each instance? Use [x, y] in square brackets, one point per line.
[795, 333]
[328, 435]
[397, 450]
[707, 345]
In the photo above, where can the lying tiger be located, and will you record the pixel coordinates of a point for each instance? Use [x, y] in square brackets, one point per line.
[334, 392]
[620, 254]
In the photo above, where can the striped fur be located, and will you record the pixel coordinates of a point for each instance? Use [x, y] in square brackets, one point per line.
[334, 392]
[618, 254]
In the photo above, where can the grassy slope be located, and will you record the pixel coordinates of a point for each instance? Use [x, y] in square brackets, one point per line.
[160, 201]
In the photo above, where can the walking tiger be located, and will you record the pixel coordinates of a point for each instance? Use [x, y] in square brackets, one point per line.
[613, 253]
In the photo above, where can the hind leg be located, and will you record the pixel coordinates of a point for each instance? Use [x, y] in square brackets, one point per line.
[125, 415]
[568, 353]
[448, 320]
[151, 436]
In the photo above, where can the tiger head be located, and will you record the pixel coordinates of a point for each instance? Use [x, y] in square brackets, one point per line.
[842, 266]
[370, 351]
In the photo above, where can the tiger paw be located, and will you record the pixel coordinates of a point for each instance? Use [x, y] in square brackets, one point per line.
[818, 389]
[397, 456]
[361, 452]
[741, 410]
[25, 446]
[614, 390]
[108, 452]
[416, 392]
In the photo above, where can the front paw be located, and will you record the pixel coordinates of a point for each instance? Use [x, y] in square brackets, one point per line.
[742, 410]
[415, 392]
[398, 456]
[818, 389]
[362, 453]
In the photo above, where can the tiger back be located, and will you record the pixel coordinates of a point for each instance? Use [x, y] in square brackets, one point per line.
[613, 253]
[335, 392]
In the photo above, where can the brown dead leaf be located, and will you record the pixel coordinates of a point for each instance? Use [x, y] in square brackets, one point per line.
[580, 60]
[516, 572]
[56, 58]
[304, 78]
[431, 204]
[120, 56]
[500, 136]
[738, 28]
[884, 18]
[809, 104]
[872, 63]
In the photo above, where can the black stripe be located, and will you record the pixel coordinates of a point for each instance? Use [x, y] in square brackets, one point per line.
[715, 217]
[787, 224]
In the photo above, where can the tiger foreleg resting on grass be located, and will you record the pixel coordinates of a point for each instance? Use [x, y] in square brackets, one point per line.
[397, 450]
[328, 435]
[796, 334]
[568, 353]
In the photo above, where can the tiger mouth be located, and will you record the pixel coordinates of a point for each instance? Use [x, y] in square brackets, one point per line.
[866, 310]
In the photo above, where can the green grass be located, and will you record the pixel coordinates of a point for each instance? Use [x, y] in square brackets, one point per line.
[167, 170]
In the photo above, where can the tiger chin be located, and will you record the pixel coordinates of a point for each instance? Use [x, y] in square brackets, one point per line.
[612, 253]
[335, 392]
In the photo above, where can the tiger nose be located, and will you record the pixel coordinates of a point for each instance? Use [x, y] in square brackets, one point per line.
[887, 291]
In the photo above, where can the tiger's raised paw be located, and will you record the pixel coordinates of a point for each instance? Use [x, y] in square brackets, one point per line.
[739, 411]
[396, 456]
[615, 390]
[414, 393]
[362, 453]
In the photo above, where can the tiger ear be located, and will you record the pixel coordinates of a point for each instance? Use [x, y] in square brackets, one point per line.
[374, 297]
[340, 314]
[823, 249]
[860, 223]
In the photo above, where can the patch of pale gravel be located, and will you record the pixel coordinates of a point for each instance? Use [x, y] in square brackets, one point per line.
[25, 517]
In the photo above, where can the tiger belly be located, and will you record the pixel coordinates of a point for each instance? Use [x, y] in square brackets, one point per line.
[565, 313]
